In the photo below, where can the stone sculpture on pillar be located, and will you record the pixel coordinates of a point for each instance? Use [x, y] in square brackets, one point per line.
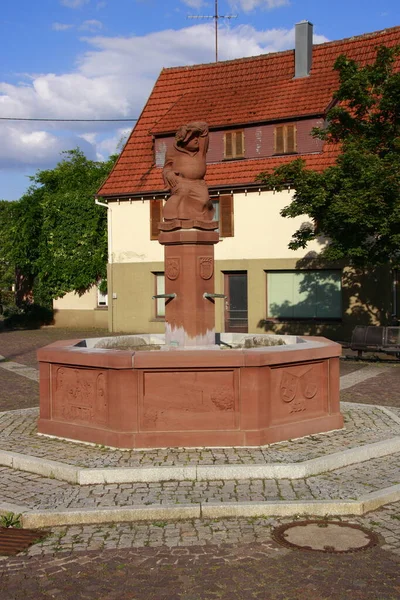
[184, 171]
[188, 236]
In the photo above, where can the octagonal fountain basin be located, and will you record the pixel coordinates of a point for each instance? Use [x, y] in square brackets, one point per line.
[136, 392]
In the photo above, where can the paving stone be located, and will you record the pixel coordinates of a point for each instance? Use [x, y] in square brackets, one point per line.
[363, 425]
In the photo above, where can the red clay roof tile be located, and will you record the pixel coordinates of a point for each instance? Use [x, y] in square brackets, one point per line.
[236, 92]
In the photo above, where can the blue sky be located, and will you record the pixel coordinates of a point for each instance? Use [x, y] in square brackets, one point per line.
[98, 59]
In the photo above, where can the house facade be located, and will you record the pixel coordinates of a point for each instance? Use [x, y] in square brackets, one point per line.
[261, 112]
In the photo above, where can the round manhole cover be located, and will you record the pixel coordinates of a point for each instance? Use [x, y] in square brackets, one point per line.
[325, 536]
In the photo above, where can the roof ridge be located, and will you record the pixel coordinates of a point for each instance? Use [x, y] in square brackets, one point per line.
[220, 63]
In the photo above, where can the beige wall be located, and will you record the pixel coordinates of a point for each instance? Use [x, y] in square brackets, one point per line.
[260, 243]
[259, 230]
[77, 311]
[131, 287]
[82, 319]
[73, 301]
[366, 299]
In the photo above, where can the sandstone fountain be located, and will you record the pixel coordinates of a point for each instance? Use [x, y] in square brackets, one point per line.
[191, 387]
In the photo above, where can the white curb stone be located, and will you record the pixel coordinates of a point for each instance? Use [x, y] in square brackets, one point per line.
[135, 475]
[111, 515]
[206, 510]
[84, 476]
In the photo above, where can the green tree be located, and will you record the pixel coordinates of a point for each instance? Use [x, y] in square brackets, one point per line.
[7, 270]
[356, 202]
[56, 235]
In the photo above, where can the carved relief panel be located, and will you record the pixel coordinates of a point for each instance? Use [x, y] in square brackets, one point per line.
[189, 400]
[80, 395]
[298, 389]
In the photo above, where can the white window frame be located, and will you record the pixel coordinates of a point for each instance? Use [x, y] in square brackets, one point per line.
[159, 284]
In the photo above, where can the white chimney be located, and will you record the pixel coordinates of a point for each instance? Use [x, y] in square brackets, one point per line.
[303, 48]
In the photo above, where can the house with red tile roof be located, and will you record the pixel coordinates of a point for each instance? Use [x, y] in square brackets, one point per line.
[260, 111]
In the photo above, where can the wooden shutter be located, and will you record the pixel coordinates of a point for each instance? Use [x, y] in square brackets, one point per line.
[290, 138]
[229, 144]
[279, 140]
[155, 218]
[226, 215]
[239, 144]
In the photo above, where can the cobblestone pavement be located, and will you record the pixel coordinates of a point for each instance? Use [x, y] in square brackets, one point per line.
[204, 559]
[43, 493]
[201, 560]
[363, 425]
[182, 534]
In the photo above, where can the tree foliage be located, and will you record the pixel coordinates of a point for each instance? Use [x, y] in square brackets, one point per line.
[56, 235]
[356, 202]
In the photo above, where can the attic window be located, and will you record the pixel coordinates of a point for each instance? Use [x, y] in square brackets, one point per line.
[285, 139]
[234, 144]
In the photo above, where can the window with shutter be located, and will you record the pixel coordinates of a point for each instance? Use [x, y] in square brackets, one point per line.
[285, 139]
[226, 215]
[229, 145]
[234, 144]
[290, 138]
[155, 218]
[279, 143]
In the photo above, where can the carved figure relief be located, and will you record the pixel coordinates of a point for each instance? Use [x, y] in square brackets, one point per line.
[184, 171]
[206, 267]
[172, 268]
[81, 395]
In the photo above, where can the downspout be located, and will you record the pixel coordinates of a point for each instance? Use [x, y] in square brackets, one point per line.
[395, 283]
[110, 258]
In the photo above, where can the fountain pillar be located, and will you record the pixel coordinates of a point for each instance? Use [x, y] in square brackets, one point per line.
[189, 281]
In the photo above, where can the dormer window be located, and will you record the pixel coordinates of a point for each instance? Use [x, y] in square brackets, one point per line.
[234, 144]
[285, 139]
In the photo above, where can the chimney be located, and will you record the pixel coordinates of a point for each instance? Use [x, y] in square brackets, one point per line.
[303, 48]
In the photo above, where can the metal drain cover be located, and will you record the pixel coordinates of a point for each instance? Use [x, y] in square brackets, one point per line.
[13, 540]
[325, 536]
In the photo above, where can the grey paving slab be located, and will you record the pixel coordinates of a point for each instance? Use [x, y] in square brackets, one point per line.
[19, 369]
[355, 377]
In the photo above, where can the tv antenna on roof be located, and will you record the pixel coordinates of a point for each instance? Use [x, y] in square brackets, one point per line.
[216, 18]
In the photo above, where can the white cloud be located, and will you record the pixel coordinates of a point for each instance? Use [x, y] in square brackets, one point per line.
[113, 144]
[194, 3]
[112, 80]
[249, 5]
[60, 26]
[92, 25]
[22, 145]
[74, 3]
